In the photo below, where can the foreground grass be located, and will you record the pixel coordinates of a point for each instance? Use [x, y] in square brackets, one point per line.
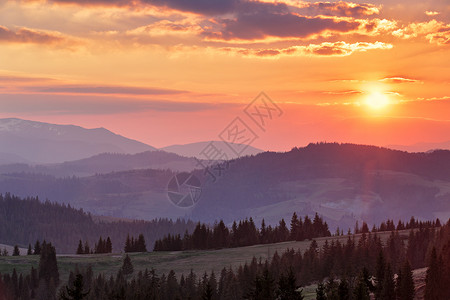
[181, 262]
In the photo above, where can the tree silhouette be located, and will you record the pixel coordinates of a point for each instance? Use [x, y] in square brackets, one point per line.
[75, 293]
[16, 251]
[287, 287]
[127, 266]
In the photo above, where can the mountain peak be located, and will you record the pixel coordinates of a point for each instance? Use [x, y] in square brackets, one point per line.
[41, 142]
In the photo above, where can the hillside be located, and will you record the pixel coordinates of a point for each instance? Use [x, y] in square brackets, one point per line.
[23, 221]
[182, 262]
[195, 149]
[343, 182]
[39, 142]
[107, 163]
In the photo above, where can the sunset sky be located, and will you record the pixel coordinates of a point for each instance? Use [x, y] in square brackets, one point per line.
[178, 71]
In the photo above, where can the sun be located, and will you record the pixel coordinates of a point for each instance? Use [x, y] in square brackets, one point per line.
[377, 100]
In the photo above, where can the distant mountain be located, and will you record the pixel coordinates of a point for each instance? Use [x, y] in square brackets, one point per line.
[49, 143]
[195, 149]
[9, 158]
[422, 147]
[107, 163]
[343, 182]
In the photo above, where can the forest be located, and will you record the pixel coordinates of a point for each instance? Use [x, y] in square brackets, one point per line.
[24, 221]
[355, 269]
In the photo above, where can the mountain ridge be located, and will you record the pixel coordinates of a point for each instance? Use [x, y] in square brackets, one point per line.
[41, 142]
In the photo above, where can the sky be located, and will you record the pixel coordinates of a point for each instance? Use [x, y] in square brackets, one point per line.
[177, 71]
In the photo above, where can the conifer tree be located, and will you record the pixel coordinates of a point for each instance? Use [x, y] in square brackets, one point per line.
[37, 248]
[361, 291]
[379, 273]
[16, 251]
[48, 266]
[127, 266]
[80, 249]
[320, 292]
[405, 283]
[388, 289]
[77, 292]
[343, 290]
[433, 280]
[287, 287]
[108, 245]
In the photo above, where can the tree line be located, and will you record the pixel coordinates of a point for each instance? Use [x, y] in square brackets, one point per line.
[101, 247]
[23, 221]
[244, 233]
[360, 268]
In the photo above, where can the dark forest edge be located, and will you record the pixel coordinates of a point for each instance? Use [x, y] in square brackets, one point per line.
[26, 220]
[245, 233]
[354, 269]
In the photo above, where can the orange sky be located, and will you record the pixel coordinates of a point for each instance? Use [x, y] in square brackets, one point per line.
[174, 71]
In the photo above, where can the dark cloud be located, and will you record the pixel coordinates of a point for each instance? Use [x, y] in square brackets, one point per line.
[205, 7]
[25, 35]
[248, 20]
[342, 8]
[259, 25]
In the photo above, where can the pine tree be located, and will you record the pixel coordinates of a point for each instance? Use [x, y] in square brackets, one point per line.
[379, 273]
[80, 249]
[108, 245]
[320, 292]
[77, 292]
[343, 290]
[127, 247]
[87, 249]
[127, 266]
[141, 246]
[16, 251]
[29, 251]
[287, 287]
[207, 292]
[48, 266]
[405, 283]
[37, 248]
[433, 280]
[361, 291]
[263, 287]
[388, 289]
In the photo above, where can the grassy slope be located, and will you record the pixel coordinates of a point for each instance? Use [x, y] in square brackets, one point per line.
[181, 262]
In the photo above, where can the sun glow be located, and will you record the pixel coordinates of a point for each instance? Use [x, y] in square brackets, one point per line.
[377, 100]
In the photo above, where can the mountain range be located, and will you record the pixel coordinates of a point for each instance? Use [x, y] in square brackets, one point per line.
[343, 182]
[36, 142]
[196, 149]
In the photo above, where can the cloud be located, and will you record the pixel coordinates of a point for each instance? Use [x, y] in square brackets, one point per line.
[348, 92]
[96, 105]
[323, 49]
[276, 21]
[344, 49]
[205, 7]
[167, 27]
[25, 35]
[434, 31]
[432, 13]
[107, 90]
[22, 79]
[399, 79]
[341, 8]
